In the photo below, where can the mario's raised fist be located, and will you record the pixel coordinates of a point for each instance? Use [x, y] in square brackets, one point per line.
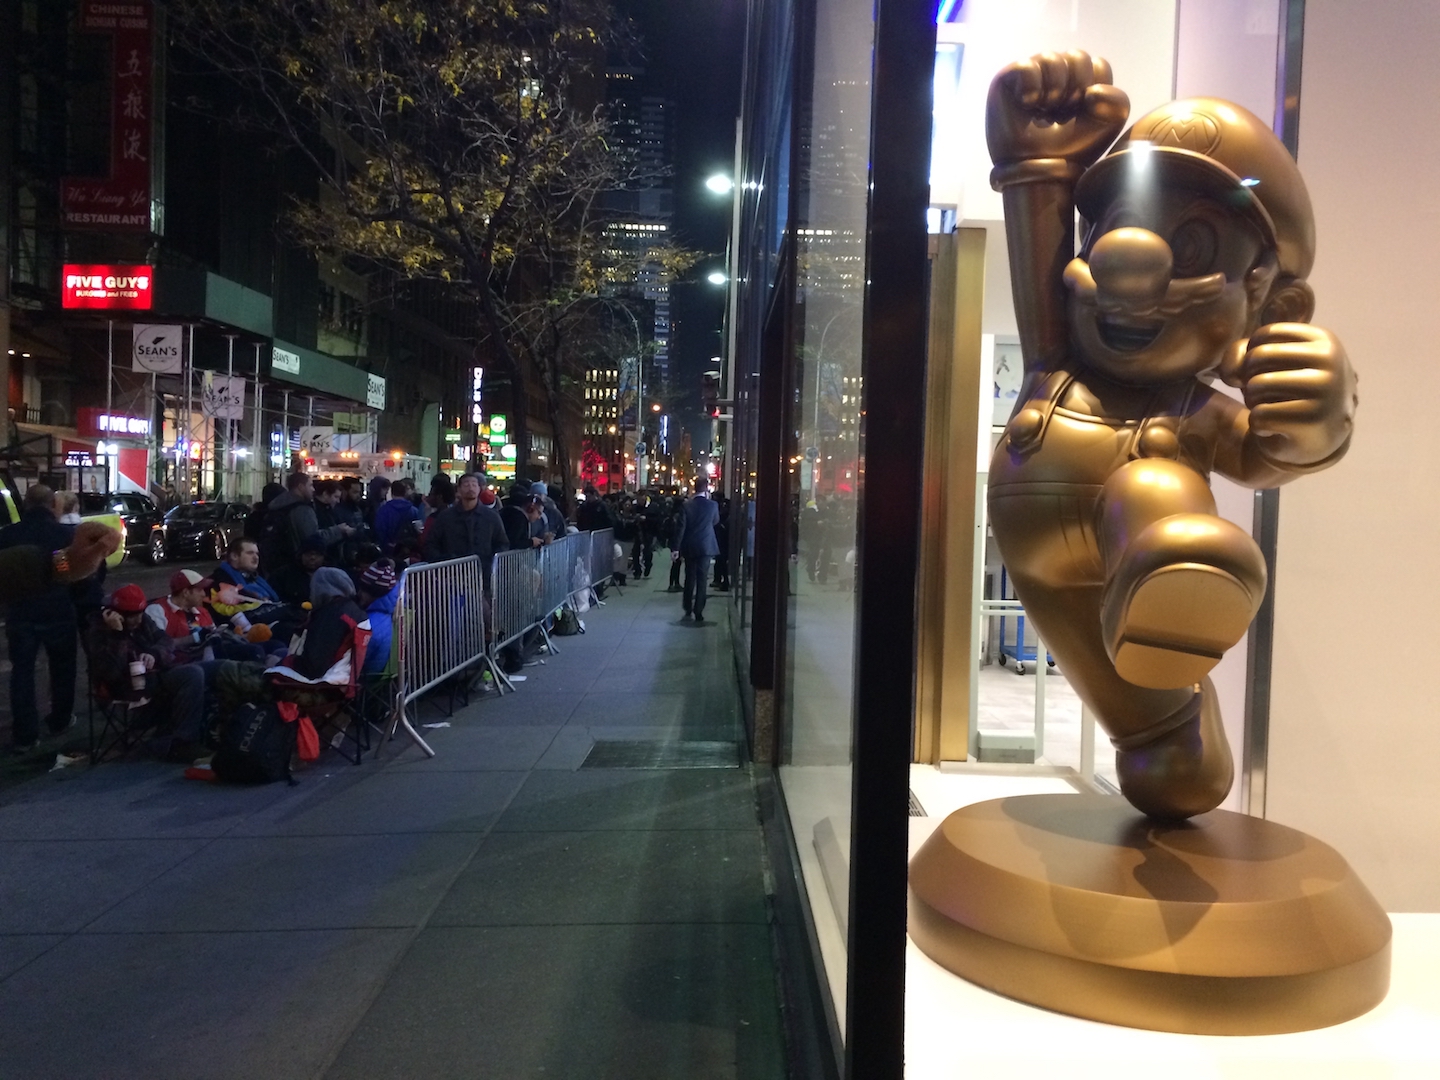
[1054, 105]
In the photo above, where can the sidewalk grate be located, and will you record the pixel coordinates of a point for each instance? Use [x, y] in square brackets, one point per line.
[916, 810]
[656, 754]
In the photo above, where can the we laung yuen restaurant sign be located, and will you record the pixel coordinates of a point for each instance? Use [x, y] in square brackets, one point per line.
[107, 287]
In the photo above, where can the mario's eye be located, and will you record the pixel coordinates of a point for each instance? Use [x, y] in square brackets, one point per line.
[1194, 245]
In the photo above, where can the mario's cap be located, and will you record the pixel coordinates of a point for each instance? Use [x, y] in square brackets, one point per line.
[128, 600]
[1221, 150]
[187, 579]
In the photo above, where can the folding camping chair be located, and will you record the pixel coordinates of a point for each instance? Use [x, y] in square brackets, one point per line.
[124, 723]
[323, 702]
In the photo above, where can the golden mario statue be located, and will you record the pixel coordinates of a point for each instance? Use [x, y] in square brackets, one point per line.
[1197, 236]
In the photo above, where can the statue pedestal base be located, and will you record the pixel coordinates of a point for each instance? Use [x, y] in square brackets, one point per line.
[1222, 925]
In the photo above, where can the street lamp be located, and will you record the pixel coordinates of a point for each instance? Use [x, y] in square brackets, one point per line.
[720, 184]
[716, 277]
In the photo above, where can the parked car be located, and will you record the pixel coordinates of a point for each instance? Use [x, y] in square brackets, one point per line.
[203, 529]
[144, 521]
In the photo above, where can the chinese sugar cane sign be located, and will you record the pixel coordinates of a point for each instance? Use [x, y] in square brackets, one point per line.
[119, 202]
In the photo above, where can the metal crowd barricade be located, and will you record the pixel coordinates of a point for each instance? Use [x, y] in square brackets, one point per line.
[440, 629]
[530, 585]
[602, 555]
[557, 573]
[518, 587]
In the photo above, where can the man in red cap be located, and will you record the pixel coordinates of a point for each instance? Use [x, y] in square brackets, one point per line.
[183, 612]
[122, 636]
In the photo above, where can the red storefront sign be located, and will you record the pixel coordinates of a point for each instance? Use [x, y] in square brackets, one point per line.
[106, 287]
[119, 202]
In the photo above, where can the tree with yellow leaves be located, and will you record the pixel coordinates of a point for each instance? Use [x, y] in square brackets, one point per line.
[460, 141]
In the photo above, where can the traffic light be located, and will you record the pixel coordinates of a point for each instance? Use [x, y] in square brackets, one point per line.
[710, 393]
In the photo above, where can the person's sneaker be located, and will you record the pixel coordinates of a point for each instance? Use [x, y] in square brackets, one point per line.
[699, 621]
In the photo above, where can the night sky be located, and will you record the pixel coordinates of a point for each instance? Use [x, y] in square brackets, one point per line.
[692, 54]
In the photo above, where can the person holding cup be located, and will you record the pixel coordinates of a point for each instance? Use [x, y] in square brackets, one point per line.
[131, 659]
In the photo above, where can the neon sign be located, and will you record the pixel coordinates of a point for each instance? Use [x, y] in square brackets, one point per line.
[107, 288]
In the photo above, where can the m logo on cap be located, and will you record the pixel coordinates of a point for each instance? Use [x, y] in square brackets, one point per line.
[1195, 131]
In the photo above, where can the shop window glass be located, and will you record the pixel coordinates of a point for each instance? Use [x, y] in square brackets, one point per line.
[823, 463]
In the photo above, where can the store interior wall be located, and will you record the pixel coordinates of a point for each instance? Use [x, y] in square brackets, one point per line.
[1354, 742]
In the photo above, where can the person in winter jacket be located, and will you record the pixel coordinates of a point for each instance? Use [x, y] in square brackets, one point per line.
[467, 527]
[123, 635]
[395, 520]
[377, 594]
[290, 520]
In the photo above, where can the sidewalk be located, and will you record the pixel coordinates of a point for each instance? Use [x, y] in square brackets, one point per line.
[497, 911]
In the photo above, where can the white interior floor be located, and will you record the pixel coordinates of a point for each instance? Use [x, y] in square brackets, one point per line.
[1007, 703]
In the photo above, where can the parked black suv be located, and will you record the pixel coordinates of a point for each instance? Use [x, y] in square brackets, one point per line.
[203, 529]
[143, 520]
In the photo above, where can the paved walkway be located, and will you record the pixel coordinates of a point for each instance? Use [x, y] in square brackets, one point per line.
[497, 911]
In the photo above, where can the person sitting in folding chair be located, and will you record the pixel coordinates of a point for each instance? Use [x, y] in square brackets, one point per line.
[184, 618]
[130, 656]
[318, 678]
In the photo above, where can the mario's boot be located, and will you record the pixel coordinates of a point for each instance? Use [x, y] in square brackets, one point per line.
[1183, 592]
[1180, 766]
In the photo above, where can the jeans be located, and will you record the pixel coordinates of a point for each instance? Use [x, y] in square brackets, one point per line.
[180, 693]
[25, 642]
[697, 570]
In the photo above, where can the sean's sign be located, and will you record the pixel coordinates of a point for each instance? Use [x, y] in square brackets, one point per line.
[107, 288]
[159, 349]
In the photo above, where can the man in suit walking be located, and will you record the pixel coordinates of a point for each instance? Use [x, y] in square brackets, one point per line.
[694, 541]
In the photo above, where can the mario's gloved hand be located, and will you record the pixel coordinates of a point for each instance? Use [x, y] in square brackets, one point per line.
[1058, 106]
[1300, 389]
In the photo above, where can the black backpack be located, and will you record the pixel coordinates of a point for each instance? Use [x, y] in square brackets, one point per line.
[255, 746]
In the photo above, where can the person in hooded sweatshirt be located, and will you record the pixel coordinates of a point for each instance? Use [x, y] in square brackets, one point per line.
[330, 631]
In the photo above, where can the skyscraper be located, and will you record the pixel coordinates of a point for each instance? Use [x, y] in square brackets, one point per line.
[643, 208]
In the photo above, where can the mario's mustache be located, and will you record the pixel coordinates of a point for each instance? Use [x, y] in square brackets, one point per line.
[1179, 294]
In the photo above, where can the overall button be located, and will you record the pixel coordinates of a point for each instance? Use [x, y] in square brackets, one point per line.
[1158, 441]
[1025, 428]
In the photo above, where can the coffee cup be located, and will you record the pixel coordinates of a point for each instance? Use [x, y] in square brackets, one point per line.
[240, 622]
[137, 674]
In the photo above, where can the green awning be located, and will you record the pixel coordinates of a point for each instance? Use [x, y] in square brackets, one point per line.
[306, 367]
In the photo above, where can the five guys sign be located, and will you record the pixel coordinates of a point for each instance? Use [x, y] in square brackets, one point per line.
[107, 288]
[119, 202]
